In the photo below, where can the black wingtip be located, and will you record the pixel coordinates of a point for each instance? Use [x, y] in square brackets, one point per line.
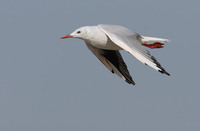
[133, 83]
[164, 72]
[130, 82]
[167, 73]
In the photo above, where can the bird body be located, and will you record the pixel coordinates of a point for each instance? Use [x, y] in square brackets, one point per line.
[97, 38]
[105, 41]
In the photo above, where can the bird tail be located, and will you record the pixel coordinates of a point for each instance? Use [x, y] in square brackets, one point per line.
[146, 39]
[153, 42]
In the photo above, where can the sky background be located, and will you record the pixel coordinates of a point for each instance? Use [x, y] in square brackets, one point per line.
[49, 84]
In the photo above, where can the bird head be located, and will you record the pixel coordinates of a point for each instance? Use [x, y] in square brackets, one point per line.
[79, 33]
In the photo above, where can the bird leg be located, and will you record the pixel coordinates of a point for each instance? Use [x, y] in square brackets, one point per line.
[154, 45]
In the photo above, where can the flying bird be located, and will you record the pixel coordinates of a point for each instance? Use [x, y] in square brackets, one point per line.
[105, 41]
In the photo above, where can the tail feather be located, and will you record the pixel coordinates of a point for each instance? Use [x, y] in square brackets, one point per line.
[146, 39]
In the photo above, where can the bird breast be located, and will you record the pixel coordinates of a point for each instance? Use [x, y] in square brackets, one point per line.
[99, 39]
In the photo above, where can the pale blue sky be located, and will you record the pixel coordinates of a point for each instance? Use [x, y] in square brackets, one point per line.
[49, 84]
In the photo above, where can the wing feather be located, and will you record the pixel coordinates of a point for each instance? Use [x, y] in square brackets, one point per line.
[113, 61]
[128, 40]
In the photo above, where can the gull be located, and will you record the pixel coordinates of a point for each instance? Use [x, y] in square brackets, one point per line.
[105, 41]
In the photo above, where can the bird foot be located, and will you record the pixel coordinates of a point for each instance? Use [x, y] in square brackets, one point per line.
[154, 45]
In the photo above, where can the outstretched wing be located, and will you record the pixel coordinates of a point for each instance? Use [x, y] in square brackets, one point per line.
[130, 41]
[113, 61]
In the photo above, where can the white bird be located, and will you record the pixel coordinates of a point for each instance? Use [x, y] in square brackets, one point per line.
[105, 41]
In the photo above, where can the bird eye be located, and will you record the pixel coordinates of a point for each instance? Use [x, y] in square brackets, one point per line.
[78, 32]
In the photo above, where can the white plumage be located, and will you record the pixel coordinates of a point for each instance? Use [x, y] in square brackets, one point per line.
[105, 41]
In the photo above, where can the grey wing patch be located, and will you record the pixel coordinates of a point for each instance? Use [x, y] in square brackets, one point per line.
[113, 60]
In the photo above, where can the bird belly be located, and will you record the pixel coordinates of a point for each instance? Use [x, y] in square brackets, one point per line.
[109, 45]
